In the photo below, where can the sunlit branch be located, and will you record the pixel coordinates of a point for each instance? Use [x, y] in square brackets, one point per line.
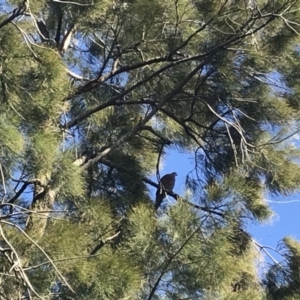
[75, 3]
[40, 248]
[17, 264]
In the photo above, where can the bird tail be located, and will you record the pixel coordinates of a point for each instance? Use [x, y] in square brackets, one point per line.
[160, 195]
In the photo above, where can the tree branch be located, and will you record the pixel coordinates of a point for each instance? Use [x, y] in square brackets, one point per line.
[41, 249]
[142, 123]
[156, 185]
[15, 13]
[165, 269]
[103, 242]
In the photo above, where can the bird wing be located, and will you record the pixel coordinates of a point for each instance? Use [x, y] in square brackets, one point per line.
[168, 182]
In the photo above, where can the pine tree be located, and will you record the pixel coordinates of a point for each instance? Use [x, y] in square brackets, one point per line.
[93, 95]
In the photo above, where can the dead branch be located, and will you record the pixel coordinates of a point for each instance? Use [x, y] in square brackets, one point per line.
[103, 242]
[15, 13]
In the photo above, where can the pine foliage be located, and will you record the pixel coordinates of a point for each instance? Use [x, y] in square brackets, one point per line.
[94, 95]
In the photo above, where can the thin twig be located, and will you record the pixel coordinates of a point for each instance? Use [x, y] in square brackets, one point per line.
[60, 260]
[41, 249]
[18, 265]
[3, 182]
[75, 3]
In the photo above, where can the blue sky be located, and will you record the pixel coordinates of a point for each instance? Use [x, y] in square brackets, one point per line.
[286, 220]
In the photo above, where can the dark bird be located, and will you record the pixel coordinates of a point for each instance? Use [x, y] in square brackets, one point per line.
[166, 184]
